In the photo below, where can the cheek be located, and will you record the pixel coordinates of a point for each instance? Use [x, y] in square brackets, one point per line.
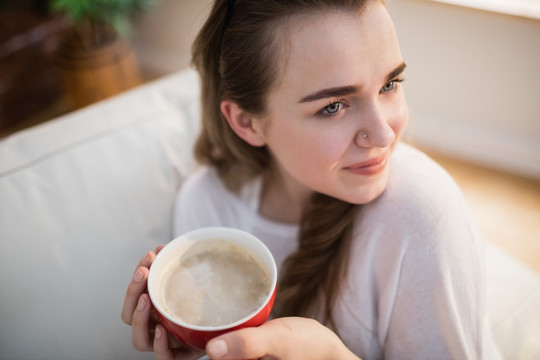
[310, 148]
[399, 118]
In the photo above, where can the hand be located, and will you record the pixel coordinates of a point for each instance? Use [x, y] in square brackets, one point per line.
[147, 333]
[280, 339]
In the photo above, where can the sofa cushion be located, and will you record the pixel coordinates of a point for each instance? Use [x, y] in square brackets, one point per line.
[514, 305]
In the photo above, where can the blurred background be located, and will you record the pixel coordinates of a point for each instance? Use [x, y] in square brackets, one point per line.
[473, 88]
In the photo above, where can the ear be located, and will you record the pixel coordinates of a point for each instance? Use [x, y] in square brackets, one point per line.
[242, 123]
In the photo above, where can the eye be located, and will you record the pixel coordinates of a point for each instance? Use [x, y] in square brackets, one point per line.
[332, 109]
[391, 85]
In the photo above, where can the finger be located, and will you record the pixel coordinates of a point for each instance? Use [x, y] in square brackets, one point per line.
[147, 259]
[168, 347]
[249, 343]
[136, 287]
[158, 249]
[161, 344]
[140, 330]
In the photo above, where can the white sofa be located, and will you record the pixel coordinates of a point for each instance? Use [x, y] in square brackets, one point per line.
[84, 196]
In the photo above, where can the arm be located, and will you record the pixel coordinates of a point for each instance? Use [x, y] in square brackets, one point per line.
[438, 305]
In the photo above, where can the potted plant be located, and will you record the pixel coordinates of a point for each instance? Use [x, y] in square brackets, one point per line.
[94, 59]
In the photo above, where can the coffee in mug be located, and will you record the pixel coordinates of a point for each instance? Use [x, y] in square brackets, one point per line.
[214, 283]
[211, 281]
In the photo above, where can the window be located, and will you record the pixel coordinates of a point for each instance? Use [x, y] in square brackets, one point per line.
[525, 8]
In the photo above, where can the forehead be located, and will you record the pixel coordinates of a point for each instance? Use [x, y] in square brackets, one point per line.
[338, 48]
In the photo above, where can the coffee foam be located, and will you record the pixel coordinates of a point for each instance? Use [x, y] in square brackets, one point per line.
[214, 283]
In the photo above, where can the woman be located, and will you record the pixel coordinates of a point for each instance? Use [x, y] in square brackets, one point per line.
[303, 110]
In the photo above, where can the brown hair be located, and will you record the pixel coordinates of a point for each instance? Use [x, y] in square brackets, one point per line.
[238, 54]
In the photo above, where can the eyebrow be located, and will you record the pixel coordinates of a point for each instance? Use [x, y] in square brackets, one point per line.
[347, 90]
[396, 72]
[329, 93]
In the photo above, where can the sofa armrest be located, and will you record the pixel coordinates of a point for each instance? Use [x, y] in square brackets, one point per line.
[81, 199]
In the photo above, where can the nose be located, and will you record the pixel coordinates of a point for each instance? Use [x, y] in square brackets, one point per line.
[375, 129]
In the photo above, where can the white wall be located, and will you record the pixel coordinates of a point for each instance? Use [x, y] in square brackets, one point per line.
[473, 83]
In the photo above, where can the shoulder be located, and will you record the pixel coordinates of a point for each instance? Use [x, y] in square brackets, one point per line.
[201, 189]
[417, 178]
[419, 191]
[204, 200]
[422, 208]
[203, 180]
[201, 201]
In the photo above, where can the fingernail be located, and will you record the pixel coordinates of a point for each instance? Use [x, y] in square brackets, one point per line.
[146, 258]
[158, 332]
[138, 275]
[141, 304]
[217, 349]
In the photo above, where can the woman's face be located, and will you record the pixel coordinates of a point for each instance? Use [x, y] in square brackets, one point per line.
[338, 109]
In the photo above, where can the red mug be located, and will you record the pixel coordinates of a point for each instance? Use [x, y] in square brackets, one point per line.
[196, 335]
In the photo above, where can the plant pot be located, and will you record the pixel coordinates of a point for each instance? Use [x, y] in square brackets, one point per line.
[91, 75]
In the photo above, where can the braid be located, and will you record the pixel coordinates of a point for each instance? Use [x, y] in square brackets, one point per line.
[319, 263]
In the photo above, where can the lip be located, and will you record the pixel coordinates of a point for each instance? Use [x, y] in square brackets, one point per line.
[370, 167]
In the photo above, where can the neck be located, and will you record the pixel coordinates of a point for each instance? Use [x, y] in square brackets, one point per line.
[283, 199]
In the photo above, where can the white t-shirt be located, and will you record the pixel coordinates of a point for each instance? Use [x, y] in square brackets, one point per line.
[415, 288]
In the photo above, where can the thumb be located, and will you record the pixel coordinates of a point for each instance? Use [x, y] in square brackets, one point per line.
[249, 343]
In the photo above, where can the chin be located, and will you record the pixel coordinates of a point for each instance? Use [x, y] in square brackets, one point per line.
[368, 192]
[366, 198]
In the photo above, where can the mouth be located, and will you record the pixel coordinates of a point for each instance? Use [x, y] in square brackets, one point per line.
[369, 167]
